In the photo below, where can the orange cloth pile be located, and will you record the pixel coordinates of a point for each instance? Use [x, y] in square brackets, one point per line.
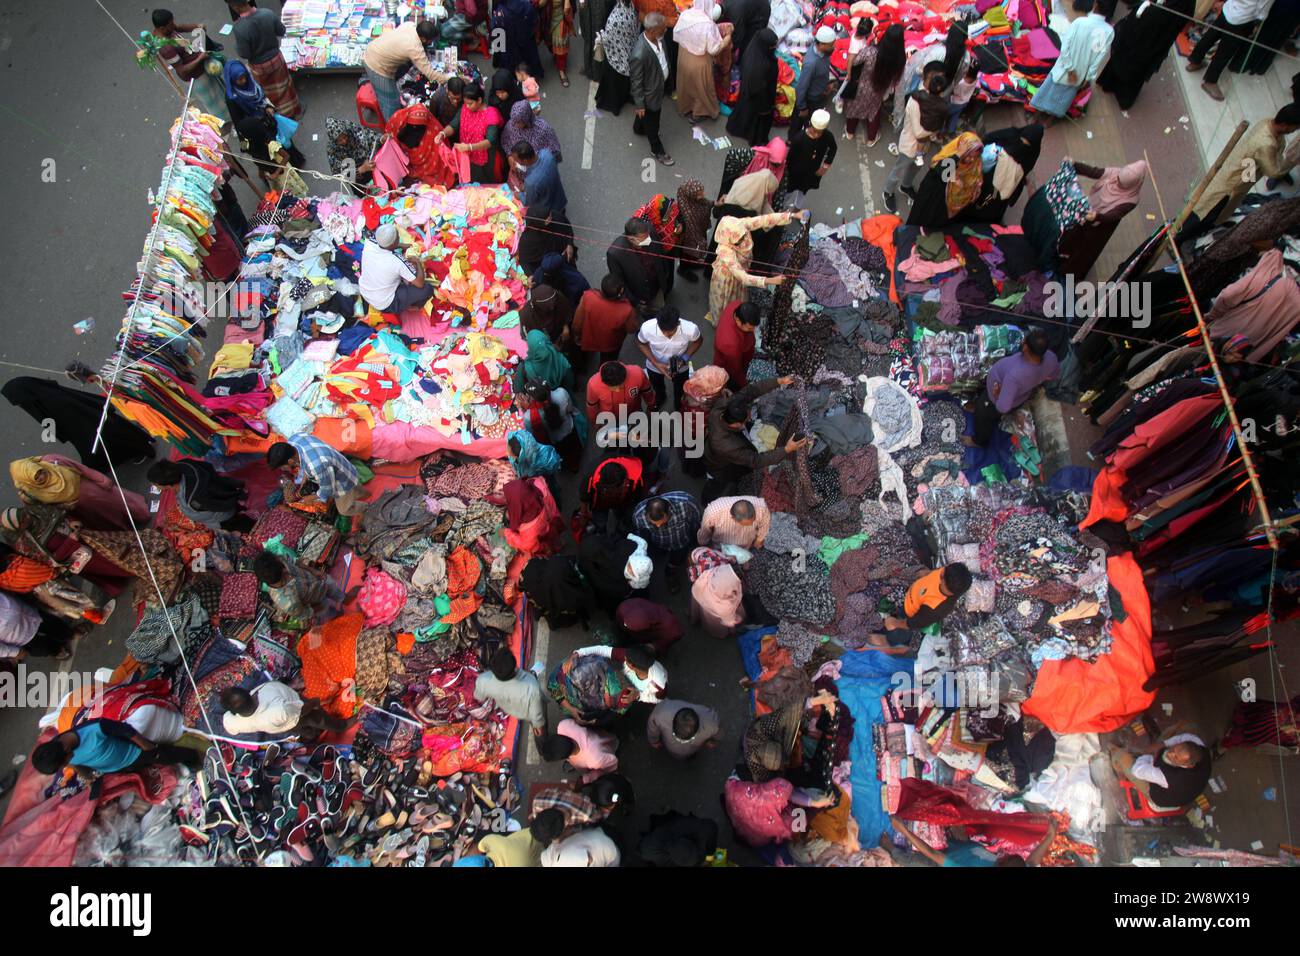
[463, 571]
[329, 663]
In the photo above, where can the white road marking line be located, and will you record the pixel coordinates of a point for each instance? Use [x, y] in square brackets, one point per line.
[541, 644]
[589, 131]
[864, 173]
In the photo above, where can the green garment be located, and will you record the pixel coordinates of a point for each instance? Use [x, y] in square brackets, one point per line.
[832, 548]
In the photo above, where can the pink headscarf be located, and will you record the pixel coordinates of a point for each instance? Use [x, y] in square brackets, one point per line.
[695, 29]
[772, 156]
[718, 592]
[1118, 186]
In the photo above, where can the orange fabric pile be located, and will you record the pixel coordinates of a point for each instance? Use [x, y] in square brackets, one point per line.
[329, 663]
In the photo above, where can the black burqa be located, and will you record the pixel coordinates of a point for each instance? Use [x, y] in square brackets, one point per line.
[601, 559]
[750, 18]
[557, 590]
[1024, 144]
[751, 117]
[1140, 46]
[75, 415]
[544, 232]
[504, 81]
[207, 490]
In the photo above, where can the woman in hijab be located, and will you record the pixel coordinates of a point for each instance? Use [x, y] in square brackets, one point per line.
[602, 559]
[506, 91]
[693, 209]
[543, 365]
[557, 591]
[562, 275]
[476, 131]
[873, 78]
[1009, 156]
[525, 126]
[1116, 194]
[87, 493]
[698, 41]
[952, 184]
[592, 16]
[529, 457]
[550, 414]
[550, 312]
[755, 194]
[415, 129]
[202, 495]
[750, 195]
[662, 214]
[620, 33]
[751, 117]
[515, 21]
[545, 233]
[350, 148]
[76, 419]
[704, 389]
[734, 258]
[716, 594]
[533, 520]
[244, 97]
[1142, 41]
[275, 161]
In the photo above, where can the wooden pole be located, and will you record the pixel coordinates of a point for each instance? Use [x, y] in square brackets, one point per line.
[1256, 487]
[1210, 173]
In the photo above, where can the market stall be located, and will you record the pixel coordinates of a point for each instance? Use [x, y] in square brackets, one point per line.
[418, 593]
[887, 331]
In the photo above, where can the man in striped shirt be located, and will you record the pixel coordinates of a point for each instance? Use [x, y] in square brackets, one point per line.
[669, 522]
[741, 521]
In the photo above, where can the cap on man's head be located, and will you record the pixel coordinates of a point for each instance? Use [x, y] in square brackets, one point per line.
[825, 35]
[820, 119]
[386, 236]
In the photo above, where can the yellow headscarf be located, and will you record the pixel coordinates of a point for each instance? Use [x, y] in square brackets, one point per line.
[966, 178]
[45, 482]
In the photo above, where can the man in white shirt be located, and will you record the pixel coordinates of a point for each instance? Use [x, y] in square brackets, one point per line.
[668, 341]
[391, 282]
[1171, 774]
[681, 728]
[275, 708]
[1230, 30]
[586, 848]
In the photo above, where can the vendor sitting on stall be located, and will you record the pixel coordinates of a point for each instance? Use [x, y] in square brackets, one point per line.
[391, 282]
[276, 708]
[1012, 380]
[930, 599]
[1170, 774]
[313, 468]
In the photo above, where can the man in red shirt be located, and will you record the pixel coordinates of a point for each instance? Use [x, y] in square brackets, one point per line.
[603, 320]
[618, 386]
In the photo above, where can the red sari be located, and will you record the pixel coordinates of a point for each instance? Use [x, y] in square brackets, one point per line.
[429, 160]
